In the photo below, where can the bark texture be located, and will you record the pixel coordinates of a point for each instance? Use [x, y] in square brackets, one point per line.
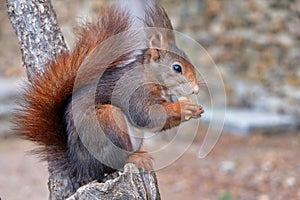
[130, 184]
[39, 35]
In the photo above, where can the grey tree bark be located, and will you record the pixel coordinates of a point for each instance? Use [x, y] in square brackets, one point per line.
[41, 40]
[39, 35]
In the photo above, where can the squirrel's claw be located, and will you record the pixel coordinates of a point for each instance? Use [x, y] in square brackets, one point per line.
[142, 159]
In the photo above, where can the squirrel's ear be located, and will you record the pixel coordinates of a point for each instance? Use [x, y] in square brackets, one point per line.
[158, 41]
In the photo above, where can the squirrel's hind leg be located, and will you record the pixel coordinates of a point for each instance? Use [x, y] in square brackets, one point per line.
[112, 121]
[98, 143]
[114, 126]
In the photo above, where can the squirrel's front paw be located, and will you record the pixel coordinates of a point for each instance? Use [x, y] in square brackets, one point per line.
[190, 110]
[142, 159]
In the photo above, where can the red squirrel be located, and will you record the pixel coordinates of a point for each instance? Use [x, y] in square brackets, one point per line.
[47, 114]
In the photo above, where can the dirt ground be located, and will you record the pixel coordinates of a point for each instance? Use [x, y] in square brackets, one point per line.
[21, 175]
[245, 168]
[256, 167]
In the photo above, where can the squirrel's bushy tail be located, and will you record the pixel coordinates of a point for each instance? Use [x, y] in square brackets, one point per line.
[41, 116]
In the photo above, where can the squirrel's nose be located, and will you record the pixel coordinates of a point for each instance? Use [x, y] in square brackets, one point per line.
[196, 89]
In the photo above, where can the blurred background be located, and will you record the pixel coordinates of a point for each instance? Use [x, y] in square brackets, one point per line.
[256, 46]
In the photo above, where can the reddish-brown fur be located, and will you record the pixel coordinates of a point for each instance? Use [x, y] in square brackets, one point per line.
[44, 100]
[47, 117]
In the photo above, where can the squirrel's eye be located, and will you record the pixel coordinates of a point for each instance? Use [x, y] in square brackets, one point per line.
[177, 68]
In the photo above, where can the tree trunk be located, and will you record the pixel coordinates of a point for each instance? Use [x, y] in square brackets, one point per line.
[39, 35]
[41, 40]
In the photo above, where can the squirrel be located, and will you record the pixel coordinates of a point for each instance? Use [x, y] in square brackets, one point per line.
[62, 113]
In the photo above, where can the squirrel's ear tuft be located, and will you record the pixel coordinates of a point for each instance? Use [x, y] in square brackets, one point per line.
[158, 41]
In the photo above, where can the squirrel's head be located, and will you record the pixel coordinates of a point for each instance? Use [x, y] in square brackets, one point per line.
[171, 67]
